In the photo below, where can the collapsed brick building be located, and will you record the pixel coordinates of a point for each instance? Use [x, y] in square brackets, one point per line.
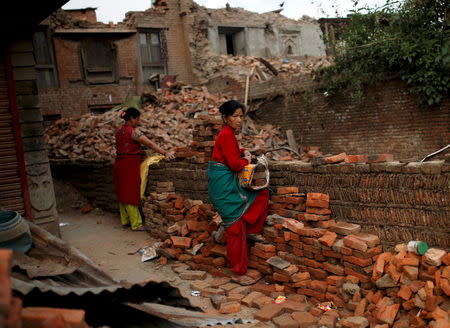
[87, 66]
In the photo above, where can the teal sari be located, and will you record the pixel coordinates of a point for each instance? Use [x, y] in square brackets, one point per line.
[225, 193]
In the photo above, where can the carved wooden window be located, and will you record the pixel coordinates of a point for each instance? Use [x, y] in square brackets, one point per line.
[153, 53]
[99, 61]
[45, 60]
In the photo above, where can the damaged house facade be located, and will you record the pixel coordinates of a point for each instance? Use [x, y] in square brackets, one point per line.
[91, 67]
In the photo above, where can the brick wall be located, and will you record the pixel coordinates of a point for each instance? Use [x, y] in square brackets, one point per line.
[74, 97]
[398, 202]
[389, 120]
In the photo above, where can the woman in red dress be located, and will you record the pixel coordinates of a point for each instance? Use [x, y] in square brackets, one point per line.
[243, 211]
[126, 170]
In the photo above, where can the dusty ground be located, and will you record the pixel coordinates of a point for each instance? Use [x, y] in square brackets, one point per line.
[100, 236]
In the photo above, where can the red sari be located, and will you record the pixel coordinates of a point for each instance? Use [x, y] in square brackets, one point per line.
[226, 151]
[126, 170]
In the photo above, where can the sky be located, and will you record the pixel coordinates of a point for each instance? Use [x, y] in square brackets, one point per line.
[114, 10]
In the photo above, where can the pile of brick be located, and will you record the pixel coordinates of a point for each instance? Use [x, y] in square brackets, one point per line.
[238, 67]
[311, 259]
[170, 120]
[14, 315]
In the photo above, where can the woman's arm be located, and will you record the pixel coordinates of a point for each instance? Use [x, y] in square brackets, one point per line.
[146, 141]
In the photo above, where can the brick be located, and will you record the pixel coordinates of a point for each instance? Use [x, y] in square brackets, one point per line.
[370, 239]
[358, 261]
[328, 239]
[285, 321]
[356, 159]
[219, 250]
[35, 316]
[14, 319]
[379, 158]
[304, 319]
[318, 211]
[268, 312]
[261, 254]
[336, 158]
[317, 203]
[345, 228]
[334, 268]
[5, 281]
[318, 196]
[404, 292]
[355, 322]
[193, 275]
[354, 242]
[361, 307]
[287, 190]
[249, 299]
[387, 313]
[181, 242]
[434, 256]
[411, 272]
[293, 225]
[229, 307]
[266, 247]
[300, 276]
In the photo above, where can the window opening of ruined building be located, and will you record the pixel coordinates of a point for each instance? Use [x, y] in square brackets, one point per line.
[230, 44]
[99, 60]
[289, 50]
[45, 60]
[100, 110]
[48, 120]
[152, 51]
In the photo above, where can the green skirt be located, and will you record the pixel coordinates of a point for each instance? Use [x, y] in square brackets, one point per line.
[225, 193]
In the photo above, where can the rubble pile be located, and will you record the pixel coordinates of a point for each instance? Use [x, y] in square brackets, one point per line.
[307, 269]
[170, 119]
[238, 67]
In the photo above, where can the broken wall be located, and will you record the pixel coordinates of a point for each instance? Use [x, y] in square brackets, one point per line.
[396, 201]
[75, 96]
[388, 120]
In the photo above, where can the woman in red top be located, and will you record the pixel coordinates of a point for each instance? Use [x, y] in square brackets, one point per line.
[243, 212]
[126, 170]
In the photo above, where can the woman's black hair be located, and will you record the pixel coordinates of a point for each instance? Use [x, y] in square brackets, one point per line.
[229, 107]
[131, 112]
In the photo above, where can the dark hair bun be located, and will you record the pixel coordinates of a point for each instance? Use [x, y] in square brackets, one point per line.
[229, 107]
[131, 112]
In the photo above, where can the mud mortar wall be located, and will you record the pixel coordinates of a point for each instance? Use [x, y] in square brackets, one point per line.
[396, 201]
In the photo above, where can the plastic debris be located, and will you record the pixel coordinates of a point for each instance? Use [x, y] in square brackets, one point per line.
[63, 224]
[326, 306]
[280, 299]
[195, 293]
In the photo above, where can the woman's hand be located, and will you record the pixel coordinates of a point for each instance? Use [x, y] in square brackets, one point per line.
[248, 156]
[169, 155]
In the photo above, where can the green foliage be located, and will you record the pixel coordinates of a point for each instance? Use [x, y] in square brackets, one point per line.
[409, 39]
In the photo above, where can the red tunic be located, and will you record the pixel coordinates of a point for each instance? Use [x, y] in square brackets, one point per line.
[226, 151]
[126, 170]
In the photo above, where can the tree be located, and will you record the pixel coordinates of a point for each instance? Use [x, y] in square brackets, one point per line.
[409, 39]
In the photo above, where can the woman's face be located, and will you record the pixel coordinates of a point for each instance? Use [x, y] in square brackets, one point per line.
[134, 121]
[235, 120]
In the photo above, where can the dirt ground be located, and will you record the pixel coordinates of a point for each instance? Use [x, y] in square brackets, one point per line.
[100, 236]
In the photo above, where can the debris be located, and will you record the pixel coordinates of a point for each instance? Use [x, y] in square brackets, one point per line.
[195, 293]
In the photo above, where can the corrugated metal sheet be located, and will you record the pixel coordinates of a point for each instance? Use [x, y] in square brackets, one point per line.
[10, 188]
[53, 266]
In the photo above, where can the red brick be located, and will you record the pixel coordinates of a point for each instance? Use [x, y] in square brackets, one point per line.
[358, 261]
[285, 321]
[35, 316]
[268, 312]
[230, 307]
[335, 269]
[370, 239]
[387, 313]
[404, 292]
[265, 247]
[356, 159]
[318, 196]
[354, 242]
[304, 319]
[301, 276]
[379, 158]
[14, 319]
[335, 280]
[248, 300]
[5, 280]
[336, 158]
[317, 203]
[318, 210]
[181, 242]
[328, 239]
[287, 190]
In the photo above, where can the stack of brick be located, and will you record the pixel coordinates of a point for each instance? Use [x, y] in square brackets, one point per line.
[14, 315]
[200, 149]
[308, 254]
